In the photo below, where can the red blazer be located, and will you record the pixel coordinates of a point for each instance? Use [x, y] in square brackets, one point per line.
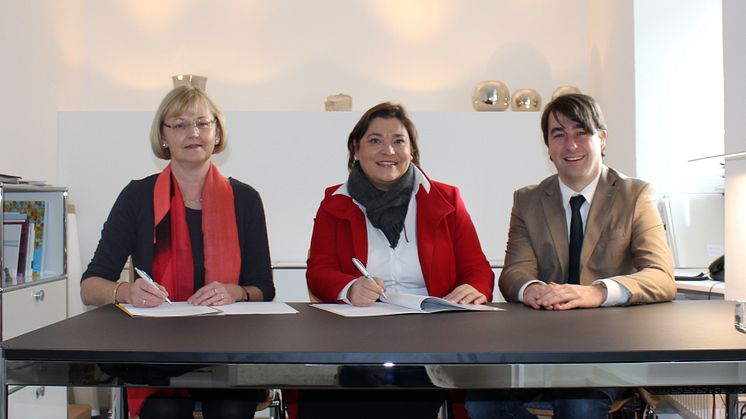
[448, 246]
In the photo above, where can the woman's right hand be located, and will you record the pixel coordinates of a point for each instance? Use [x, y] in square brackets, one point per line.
[147, 294]
[364, 292]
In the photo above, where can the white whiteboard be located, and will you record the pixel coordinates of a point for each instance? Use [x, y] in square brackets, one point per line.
[291, 157]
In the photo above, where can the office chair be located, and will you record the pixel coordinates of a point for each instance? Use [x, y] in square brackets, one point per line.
[275, 405]
[639, 404]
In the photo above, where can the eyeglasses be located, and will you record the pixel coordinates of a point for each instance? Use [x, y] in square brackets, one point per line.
[187, 124]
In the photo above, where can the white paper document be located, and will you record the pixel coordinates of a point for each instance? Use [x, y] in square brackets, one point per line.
[400, 303]
[184, 309]
[177, 309]
[266, 307]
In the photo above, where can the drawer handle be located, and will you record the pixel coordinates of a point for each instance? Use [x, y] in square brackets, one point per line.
[40, 392]
[39, 295]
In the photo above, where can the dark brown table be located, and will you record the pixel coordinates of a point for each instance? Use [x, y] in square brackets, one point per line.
[678, 344]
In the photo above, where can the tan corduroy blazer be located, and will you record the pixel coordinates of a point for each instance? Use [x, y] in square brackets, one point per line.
[624, 239]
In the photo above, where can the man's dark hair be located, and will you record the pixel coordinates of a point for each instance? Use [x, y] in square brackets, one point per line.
[580, 108]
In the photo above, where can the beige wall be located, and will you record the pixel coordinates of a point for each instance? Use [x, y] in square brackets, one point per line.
[612, 77]
[118, 55]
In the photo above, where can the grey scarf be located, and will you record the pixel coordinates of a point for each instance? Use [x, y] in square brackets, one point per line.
[386, 210]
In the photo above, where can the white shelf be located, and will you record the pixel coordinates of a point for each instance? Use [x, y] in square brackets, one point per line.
[31, 303]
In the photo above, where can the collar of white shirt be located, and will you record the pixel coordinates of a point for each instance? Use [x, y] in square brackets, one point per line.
[587, 192]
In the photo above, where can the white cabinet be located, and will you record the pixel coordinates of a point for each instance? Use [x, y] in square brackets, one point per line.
[33, 282]
[23, 310]
[29, 308]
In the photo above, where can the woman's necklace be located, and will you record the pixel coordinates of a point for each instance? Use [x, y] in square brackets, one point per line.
[193, 201]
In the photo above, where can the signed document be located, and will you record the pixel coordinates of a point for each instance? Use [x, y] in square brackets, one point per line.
[401, 303]
[177, 309]
[184, 309]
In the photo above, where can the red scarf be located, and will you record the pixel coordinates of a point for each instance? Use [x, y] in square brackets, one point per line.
[172, 261]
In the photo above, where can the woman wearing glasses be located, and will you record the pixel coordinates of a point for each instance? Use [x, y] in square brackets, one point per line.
[201, 236]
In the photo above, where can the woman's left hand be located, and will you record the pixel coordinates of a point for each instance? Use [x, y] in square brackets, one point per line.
[216, 294]
[466, 294]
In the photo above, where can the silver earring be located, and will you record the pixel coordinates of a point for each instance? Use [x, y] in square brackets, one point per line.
[164, 145]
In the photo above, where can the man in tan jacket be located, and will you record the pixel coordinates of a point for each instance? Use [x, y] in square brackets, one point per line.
[586, 237]
[624, 258]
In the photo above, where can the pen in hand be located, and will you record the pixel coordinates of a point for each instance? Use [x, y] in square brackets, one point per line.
[147, 277]
[360, 267]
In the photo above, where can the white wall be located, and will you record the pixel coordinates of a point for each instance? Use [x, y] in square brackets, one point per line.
[678, 68]
[612, 77]
[261, 55]
[272, 152]
[734, 52]
[118, 55]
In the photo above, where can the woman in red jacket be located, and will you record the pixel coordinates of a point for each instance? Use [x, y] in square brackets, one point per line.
[413, 234]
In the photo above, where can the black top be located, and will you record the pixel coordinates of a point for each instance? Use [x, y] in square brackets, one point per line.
[665, 332]
[194, 224]
[129, 231]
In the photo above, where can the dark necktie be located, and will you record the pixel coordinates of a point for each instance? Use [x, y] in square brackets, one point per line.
[576, 238]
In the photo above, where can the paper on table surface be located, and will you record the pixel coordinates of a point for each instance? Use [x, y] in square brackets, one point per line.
[431, 304]
[177, 309]
[184, 309]
[377, 309]
[402, 303]
[257, 307]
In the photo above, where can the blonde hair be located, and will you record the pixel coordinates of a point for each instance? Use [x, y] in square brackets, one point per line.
[179, 100]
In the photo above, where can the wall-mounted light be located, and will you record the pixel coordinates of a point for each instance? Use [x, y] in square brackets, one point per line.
[199, 82]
